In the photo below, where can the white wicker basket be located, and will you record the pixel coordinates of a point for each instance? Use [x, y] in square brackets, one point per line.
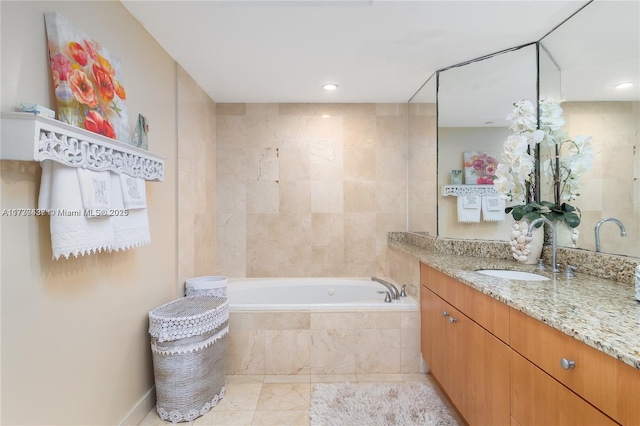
[189, 345]
[212, 285]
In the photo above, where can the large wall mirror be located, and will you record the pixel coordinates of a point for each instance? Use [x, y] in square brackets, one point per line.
[581, 63]
[474, 100]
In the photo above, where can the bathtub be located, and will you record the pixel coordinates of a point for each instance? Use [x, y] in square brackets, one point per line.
[312, 294]
[320, 326]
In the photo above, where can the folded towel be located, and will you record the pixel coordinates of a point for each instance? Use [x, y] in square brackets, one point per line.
[131, 226]
[71, 231]
[469, 209]
[493, 208]
[95, 188]
[133, 192]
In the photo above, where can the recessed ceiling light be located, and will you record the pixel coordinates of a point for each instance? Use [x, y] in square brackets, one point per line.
[330, 86]
[325, 116]
[488, 122]
[624, 85]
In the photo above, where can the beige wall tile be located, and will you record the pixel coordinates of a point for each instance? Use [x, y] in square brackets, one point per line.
[333, 320]
[286, 321]
[246, 352]
[376, 320]
[287, 351]
[246, 321]
[370, 359]
[288, 161]
[410, 350]
[333, 351]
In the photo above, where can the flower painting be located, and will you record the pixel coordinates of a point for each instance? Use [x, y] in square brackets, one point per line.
[87, 81]
[479, 168]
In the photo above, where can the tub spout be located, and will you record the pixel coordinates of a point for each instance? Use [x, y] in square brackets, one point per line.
[392, 288]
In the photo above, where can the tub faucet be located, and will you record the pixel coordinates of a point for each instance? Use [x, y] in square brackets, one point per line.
[554, 240]
[623, 231]
[392, 288]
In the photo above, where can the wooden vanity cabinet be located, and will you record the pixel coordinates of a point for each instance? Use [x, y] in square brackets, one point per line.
[500, 366]
[471, 364]
[603, 381]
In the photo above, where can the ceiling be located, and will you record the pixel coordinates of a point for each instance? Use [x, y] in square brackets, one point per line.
[376, 51]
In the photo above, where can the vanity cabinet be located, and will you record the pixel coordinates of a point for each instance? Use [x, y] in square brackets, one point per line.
[467, 360]
[606, 383]
[499, 366]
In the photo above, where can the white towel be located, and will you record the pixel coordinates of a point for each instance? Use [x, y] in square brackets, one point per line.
[469, 208]
[493, 208]
[131, 226]
[71, 231]
[95, 188]
[133, 192]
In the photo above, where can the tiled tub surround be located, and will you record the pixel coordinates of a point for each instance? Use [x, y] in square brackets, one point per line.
[599, 312]
[323, 343]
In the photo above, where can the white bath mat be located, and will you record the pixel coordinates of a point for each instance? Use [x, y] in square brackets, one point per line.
[378, 404]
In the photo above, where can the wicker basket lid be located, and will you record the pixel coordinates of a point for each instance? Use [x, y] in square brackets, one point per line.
[188, 316]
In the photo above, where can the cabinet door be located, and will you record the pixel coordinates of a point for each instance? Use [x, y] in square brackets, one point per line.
[432, 342]
[484, 378]
[538, 399]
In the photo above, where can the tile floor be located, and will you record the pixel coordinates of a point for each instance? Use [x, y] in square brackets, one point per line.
[275, 400]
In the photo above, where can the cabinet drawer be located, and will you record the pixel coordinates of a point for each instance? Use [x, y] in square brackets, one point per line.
[605, 382]
[538, 399]
[488, 312]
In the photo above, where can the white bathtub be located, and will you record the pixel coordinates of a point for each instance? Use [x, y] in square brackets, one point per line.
[312, 294]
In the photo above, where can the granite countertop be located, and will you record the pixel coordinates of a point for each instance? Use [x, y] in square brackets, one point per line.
[599, 312]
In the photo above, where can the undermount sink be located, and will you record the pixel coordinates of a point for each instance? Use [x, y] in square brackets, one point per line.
[512, 275]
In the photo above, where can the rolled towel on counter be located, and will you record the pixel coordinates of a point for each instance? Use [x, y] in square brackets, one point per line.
[493, 208]
[469, 208]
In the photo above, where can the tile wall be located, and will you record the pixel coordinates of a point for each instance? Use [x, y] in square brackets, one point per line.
[309, 189]
[323, 343]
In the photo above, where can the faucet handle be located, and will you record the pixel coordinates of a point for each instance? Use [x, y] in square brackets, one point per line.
[403, 291]
[541, 264]
[568, 273]
[387, 298]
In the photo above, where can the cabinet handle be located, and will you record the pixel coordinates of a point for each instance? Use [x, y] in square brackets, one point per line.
[567, 364]
[445, 313]
[452, 320]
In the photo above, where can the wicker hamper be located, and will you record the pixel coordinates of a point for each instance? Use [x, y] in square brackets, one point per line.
[189, 346]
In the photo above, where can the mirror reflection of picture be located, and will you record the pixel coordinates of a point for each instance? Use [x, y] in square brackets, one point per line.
[140, 138]
[479, 168]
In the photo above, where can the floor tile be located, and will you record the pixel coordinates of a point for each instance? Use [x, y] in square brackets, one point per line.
[225, 418]
[333, 378]
[242, 378]
[417, 377]
[239, 397]
[286, 378]
[285, 417]
[285, 396]
[368, 378]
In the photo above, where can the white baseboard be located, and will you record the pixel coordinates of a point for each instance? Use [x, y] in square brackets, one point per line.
[140, 410]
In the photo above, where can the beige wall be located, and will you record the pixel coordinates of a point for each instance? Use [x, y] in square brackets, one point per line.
[75, 347]
[302, 195]
[422, 165]
[612, 187]
[196, 180]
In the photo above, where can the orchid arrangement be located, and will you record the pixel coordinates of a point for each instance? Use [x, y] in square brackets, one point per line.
[568, 160]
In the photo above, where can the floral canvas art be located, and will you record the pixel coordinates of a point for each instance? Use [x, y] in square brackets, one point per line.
[87, 81]
[479, 168]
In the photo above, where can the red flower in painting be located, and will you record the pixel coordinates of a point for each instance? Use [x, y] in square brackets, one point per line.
[61, 64]
[78, 53]
[485, 180]
[90, 49]
[104, 82]
[95, 123]
[82, 88]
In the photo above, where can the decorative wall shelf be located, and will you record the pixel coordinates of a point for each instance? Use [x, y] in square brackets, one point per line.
[31, 137]
[461, 190]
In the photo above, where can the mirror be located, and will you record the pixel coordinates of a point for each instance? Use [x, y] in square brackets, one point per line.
[473, 102]
[422, 159]
[581, 62]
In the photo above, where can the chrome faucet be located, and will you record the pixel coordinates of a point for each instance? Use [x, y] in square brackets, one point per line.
[392, 288]
[554, 240]
[623, 231]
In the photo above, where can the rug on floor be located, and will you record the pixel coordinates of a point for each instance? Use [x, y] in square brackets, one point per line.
[378, 404]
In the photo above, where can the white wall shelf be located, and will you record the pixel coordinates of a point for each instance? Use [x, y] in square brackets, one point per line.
[461, 190]
[31, 137]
